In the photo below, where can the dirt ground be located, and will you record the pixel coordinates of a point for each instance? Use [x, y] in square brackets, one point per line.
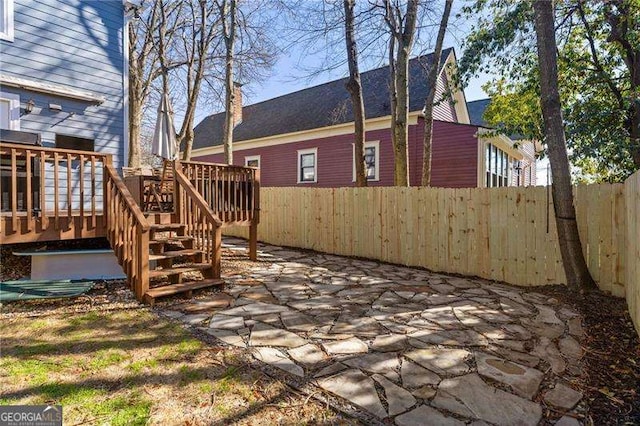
[611, 383]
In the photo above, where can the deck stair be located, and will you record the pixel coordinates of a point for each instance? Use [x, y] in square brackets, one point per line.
[172, 256]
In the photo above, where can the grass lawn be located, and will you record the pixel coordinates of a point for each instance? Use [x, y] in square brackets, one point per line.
[129, 367]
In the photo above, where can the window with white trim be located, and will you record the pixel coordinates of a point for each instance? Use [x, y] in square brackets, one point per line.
[496, 167]
[6, 20]
[307, 165]
[371, 160]
[252, 161]
[9, 111]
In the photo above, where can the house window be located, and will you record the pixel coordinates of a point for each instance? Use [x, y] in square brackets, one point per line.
[6, 20]
[252, 161]
[9, 111]
[518, 174]
[496, 167]
[73, 142]
[307, 165]
[371, 160]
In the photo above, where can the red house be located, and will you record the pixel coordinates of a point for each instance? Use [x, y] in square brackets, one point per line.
[306, 138]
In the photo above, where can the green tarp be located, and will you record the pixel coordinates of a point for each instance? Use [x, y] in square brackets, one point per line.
[27, 289]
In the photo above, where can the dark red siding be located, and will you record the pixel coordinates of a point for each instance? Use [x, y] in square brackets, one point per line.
[454, 158]
[454, 161]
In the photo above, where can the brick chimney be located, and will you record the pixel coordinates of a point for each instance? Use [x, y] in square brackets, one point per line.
[237, 103]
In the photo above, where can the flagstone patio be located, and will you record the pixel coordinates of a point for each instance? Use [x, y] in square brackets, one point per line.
[400, 343]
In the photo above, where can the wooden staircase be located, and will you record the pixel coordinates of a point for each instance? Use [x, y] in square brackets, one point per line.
[51, 194]
[161, 252]
[172, 252]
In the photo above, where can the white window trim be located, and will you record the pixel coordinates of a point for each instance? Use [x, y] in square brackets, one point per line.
[250, 158]
[376, 145]
[301, 152]
[7, 34]
[483, 166]
[14, 108]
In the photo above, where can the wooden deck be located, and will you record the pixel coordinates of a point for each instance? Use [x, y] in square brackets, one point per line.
[55, 194]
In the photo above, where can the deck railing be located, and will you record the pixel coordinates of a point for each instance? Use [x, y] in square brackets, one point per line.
[127, 232]
[232, 192]
[201, 222]
[43, 184]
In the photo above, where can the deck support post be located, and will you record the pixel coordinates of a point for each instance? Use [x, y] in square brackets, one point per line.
[253, 241]
[255, 219]
[216, 260]
[141, 254]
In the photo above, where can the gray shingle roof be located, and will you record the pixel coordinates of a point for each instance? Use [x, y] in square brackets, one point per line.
[316, 107]
[476, 111]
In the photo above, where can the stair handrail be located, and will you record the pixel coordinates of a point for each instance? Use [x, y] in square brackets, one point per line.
[128, 198]
[182, 179]
[206, 239]
[131, 248]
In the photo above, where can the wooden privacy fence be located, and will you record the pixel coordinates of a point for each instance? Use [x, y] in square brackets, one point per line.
[505, 234]
[632, 250]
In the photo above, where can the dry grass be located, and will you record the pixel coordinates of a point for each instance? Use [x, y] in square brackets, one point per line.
[130, 367]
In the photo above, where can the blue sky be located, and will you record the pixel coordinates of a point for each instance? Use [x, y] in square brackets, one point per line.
[289, 76]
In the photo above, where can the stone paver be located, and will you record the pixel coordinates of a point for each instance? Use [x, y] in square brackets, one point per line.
[441, 360]
[398, 399]
[425, 415]
[523, 380]
[386, 363]
[356, 387]
[389, 343]
[226, 322]
[346, 346]
[414, 376]
[278, 359]
[406, 345]
[265, 335]
[308, 355]
[563, 396]
[471, 397]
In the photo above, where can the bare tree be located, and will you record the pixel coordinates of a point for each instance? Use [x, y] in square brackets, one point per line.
[432, 79]
[354, 86]
[228, 14]
[198, 39]
[402, 27]
[575, 267]
[142, 71]
[150, 37]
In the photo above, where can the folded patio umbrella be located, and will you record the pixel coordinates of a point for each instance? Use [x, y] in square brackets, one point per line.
[164, 138]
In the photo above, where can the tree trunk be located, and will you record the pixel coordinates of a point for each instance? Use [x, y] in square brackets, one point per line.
[354, 86]
[400, 129]
[229, 105]
[400, 125]
[432, 81]
[135, 103]
[575, 267]
[393, 101]
[135, 118]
